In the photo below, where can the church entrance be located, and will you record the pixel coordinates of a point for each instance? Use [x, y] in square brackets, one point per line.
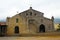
[42, 28]
[16, 29]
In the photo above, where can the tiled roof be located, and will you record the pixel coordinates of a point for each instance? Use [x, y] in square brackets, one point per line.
[2, 23]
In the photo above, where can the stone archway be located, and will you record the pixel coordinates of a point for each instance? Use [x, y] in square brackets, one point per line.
[16, 29]
[41, 28]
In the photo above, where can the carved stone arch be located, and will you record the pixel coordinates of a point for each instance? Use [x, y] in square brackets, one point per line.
[16, 29]
[42, 28]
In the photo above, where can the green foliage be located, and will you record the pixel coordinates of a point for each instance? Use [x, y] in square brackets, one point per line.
[58, 28]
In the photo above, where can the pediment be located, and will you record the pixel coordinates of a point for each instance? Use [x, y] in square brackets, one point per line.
[31, 10]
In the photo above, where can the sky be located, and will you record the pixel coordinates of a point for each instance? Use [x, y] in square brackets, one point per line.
[9, 8]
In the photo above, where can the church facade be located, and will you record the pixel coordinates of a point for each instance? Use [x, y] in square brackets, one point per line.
[29, 22]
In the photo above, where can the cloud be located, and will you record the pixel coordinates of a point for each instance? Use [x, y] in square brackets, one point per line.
[12, 11]
[48, 7]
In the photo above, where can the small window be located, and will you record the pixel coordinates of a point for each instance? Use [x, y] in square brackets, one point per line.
[35, 14]
[30, 13]
[17, 20]
[26, 14]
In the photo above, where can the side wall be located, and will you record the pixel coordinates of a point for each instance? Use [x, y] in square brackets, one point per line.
[11, 22]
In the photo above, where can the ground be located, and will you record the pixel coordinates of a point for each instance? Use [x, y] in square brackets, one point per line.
[40, 36]
[29, 38]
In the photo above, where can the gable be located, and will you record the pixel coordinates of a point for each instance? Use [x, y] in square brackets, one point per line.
[31, 11]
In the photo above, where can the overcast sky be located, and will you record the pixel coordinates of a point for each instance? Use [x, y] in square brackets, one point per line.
[48, 7]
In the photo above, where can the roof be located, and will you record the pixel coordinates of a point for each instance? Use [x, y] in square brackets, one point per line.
[2, 23]
[30, 9]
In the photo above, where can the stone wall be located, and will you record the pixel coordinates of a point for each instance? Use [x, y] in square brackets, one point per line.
[29, 22]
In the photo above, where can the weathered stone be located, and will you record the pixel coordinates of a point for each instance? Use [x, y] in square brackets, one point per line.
[29, 22]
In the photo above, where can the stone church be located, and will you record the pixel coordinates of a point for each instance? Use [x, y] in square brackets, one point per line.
[29, 22]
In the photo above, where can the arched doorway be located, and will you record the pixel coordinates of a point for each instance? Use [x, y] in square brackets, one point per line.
[42, 28]
[16, 29]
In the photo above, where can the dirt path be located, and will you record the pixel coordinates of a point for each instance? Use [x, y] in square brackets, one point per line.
[29, 38]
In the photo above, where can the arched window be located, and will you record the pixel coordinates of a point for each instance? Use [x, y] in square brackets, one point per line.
[16, 20]
[35, 14]
[30, 13]
[16, 29]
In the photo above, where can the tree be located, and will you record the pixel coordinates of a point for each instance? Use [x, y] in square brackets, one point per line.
[58, 27]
